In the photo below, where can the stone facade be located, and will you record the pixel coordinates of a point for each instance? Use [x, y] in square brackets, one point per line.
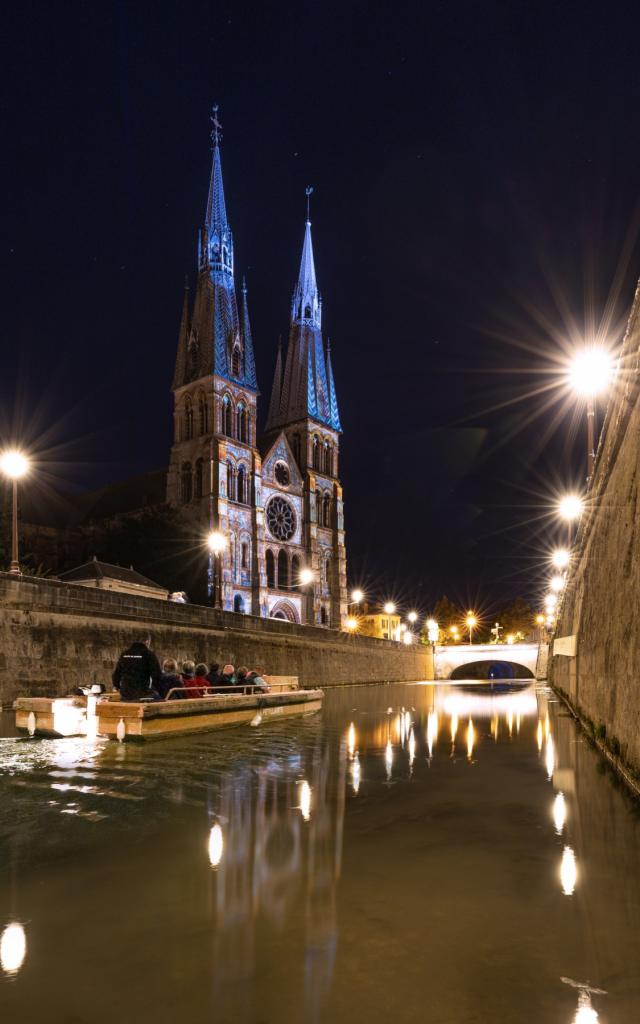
[600, 606]
[279, 503]
[54, 636]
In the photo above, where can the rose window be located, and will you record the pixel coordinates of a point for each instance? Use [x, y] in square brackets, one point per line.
[281, 519]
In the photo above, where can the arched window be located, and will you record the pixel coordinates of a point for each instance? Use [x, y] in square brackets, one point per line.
[326, 510]
[326, 458]
[271, 570]
[283, 571]
[199, 477]
[316, 454]
[241, 486]
[244, 555]
[295, 571]
[236, 360]
[327, 571]
[231, 481]
[186, 482]
[238, 604]
[203, 415]
[226, 416]
[232, 557]
[241, 417]
[188, 418]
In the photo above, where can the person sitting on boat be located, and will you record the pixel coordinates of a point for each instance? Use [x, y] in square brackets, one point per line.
[256, 678]
[170, 679]
[228, 676]
[213, 675]
[137, 673]
[198, 685]
[241, 675]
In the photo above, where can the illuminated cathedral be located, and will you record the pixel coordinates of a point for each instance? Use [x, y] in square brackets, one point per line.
[276, 500]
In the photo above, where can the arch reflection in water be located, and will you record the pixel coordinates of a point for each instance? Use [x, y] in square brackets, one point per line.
[559, 812]
[13, 948]
[216, 845]
[568, 871]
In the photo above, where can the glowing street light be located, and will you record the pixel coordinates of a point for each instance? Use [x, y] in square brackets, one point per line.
[351, 624]
[570, 507]
[306, 577]
[550, 602]
[455, 633]
[357, 596]
[412, 617]
[14, 465]
[471, 622]
[556, 583]
[217, 542]
[389, 608]
[561, 558]
[590, 374]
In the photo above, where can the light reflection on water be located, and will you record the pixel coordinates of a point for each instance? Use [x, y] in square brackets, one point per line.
[458, 841]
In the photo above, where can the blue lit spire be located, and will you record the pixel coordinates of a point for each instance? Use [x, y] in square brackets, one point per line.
[216, 250]
[333, 401]
[306, 307]
[247, 342]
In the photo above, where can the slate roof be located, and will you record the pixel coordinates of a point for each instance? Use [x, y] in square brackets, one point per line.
[95, 570]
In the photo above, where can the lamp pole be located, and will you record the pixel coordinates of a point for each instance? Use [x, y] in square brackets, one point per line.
[217, 543]
[14, 465]
[591, 437]
[14, 568]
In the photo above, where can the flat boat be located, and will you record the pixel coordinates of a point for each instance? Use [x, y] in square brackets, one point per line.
[107, 715]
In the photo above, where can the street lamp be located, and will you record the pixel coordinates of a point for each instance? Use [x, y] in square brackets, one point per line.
[570, 508]
[550, 602]
[557, 583]
[356, 596]
[455, 632]
[351, 624]
[217, 543]
[471, 622]
[306, 577]
[590, 374]
[412, 617]
[14, 465]
[389, 608]
[561, 558]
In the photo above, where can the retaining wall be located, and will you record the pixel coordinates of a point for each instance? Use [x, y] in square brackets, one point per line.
[596, 652]
[54, 636]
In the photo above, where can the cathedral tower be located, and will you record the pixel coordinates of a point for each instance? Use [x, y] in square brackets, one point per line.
[214, 472]
[304, 411]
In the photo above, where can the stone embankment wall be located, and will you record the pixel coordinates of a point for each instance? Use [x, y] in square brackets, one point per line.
[54, 636]
[599, 619]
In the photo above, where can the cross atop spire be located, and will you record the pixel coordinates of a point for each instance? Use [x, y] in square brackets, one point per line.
[216, 131]
[308, 190]
[218, 248]
[306, 306]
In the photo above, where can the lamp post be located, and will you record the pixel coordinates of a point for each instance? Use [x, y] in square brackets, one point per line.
[590, 374]
[14, 465]
[307, 576]
[471, 622]
[560, 558]
[217, 542]
[357, 596]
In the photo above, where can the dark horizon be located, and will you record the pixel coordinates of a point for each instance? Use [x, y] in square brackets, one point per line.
[475, 210]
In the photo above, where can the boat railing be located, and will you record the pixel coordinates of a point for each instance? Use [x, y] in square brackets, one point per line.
[246, 690]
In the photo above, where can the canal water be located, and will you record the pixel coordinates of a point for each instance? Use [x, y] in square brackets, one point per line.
[412, 853]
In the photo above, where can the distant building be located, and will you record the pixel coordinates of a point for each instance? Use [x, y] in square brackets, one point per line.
[378, 623]
[102, 576]
[278, 502]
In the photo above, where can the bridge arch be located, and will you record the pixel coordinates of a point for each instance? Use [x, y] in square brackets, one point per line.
[495, 669]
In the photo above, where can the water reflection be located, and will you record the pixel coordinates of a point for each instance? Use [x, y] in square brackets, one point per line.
[568, 871]
[559, 812]
[13, 948]
[216, 845]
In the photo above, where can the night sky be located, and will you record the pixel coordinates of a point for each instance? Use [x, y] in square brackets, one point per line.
[476, 170]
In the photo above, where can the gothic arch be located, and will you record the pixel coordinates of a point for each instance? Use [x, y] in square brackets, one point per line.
[283, 570]
[226, 415]
[242, 484]
[203, 414]
[241, 423]
[271, 569]
[245, 552]
[186, 482]
[315, 461]
[295, 572]
[231, 481]
[199, 478]
[284, 610]
[188, 418]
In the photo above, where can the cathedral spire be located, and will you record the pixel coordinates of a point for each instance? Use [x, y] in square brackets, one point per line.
[247, 342]
[306, 306]
[217, 251]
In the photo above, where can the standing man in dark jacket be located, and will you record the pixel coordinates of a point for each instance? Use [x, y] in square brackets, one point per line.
[138, 672]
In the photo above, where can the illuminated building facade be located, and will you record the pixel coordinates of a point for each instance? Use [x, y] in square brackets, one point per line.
[278, 502]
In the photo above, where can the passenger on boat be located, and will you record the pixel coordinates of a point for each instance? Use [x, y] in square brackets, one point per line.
[170, 679]
[256, 677]
[213, 675]
[228, 677]
[198, 684]
[241, 675]
[137, 673]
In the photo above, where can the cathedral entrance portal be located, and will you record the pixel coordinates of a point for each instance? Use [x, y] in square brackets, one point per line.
[284, 610]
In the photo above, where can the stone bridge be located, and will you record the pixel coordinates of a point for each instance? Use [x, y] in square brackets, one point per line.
[488, 661]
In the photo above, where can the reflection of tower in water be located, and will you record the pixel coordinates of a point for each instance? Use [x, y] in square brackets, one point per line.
[278, 866]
